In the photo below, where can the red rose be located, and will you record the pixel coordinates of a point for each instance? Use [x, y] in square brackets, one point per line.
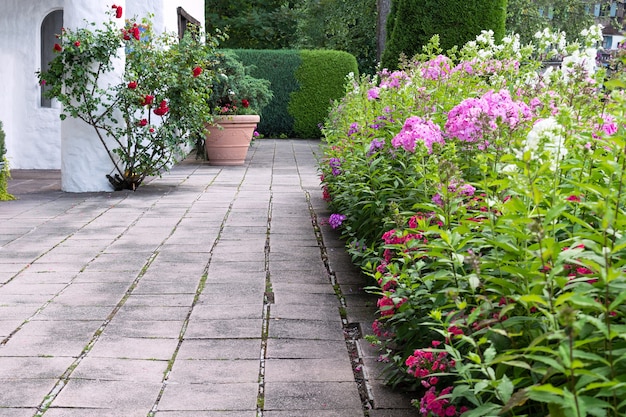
[77, 44]
[245, 103]
[162, 109]
[136, 33]
[147, 100]
[57, 47]
[118, 12]
[143, 122]
[197, 71]
[132, 85]
[151, 130]
[125, 35]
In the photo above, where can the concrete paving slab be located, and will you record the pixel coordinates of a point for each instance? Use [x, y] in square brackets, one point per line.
[214, 413]
[251, 309]
[226, 349]
[93, 412]
[33, 367]
[115, 369]
[241, 397]
[299, 311]
[305, 349]
[110, 346]
[305, 329]
[26, 393]
[299, 370]
[121, 396]
[149, 329]
[295, 396]
[221, 371]
[224, 329]
[18, 412]
[137, 312]
[316, 413]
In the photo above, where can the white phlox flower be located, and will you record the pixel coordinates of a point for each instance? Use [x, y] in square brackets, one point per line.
[547, 137]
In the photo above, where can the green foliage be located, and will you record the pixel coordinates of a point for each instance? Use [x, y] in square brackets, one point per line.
[159, 105]
[527, 17]
[322, 77]
[4, 169]
[235, 90]
[261, 24]
[412, 23]
[486, 200]
[348, 26]
[279, 67]
[3, 149]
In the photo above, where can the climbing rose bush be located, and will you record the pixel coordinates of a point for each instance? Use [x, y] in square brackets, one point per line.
[484, 194]
[156, 109]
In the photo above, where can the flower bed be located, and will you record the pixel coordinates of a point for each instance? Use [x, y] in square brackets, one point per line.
[485, 196]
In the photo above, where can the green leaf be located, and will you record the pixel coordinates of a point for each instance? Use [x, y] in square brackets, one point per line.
[505, 389]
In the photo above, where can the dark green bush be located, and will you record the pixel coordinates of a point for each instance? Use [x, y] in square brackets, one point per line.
[304, 84]
[2, 147]
[412, 23]
[322, 78]
[279, 67]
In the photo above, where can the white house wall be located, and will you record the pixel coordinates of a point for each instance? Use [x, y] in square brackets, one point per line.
[33, 133]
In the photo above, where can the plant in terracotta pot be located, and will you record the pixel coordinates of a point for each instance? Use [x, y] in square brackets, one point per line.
[237, 99]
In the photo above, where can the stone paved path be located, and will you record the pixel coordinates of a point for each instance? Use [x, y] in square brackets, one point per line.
[212, 291]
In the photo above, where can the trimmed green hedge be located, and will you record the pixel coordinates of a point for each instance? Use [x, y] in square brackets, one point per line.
[304, 83]
[279, 67]
[412, 23]
[322, 78]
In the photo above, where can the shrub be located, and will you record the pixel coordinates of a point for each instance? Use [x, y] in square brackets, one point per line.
[321, 76]
[304, 84]
[486, 200]
[412, 23]
[4, 169]
[278, 67]
[158, 106]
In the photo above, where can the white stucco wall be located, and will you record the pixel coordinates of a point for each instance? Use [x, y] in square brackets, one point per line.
[33, 133]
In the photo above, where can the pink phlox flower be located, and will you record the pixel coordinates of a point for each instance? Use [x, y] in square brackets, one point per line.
[415, 128]
[373, 93]
[608, 127]
[437, 68]
[474, 118]
[394, 79]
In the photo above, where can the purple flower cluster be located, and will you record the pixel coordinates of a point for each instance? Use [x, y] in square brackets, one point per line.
[474, 118]
[335, 220]
[335, 165]
[376, 145]
[415, 128]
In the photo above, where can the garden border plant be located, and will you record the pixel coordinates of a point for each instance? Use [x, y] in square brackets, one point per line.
[5, 172]
[159, 106]
[486, 199]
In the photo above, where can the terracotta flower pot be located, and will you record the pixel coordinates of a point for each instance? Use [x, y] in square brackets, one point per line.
[229, 137]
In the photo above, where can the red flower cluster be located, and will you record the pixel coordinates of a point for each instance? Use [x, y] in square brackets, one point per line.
[118, 11]
[134, 31]
[132, 85]
[245, 103]
[147, 100]
[57, 47]
[197, 71]
[162, 109]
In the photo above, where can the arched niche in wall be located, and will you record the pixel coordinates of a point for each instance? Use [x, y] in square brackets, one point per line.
[50, 28]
